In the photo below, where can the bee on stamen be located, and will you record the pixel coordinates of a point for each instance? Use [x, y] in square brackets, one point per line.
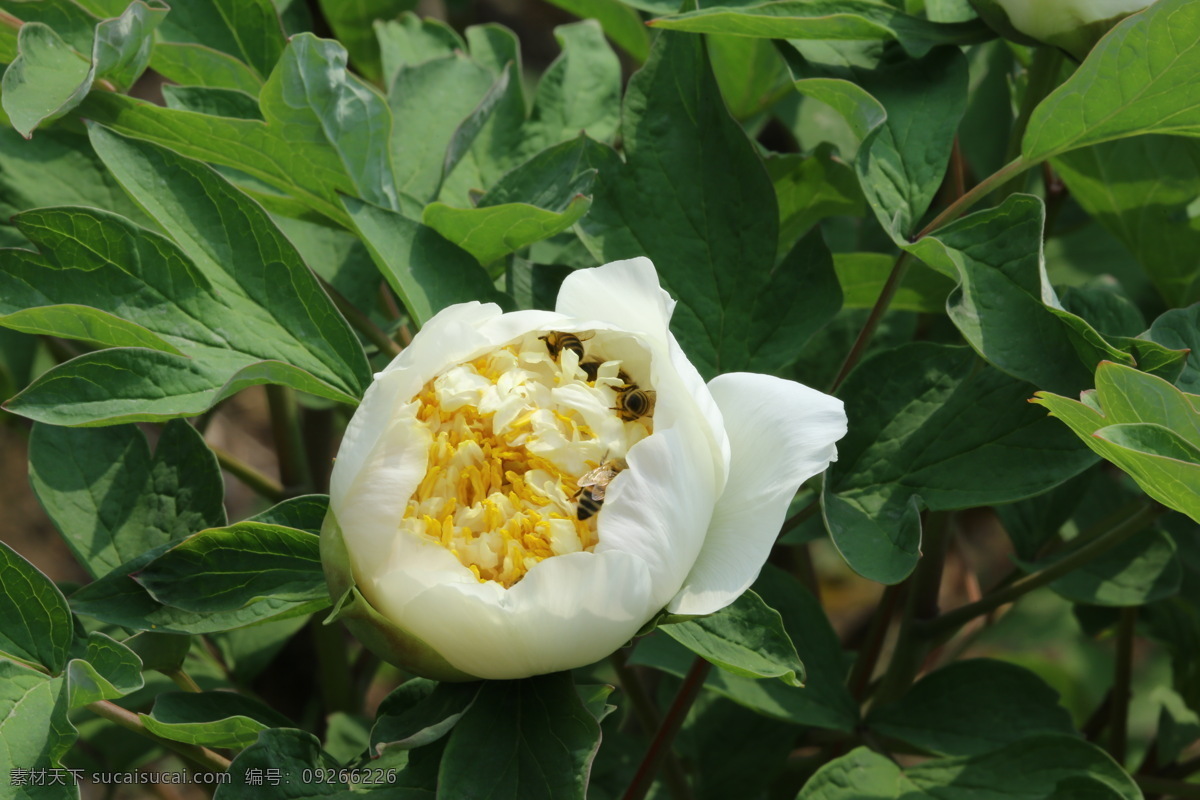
[593, 486]
[557, 341]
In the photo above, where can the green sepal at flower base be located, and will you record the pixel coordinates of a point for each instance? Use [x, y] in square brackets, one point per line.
[1072, 25]
[1145, 426]
[380, 636]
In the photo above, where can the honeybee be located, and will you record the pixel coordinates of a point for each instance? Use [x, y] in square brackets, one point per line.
[591, 369]
[557, 341]
[593, 485]
[633, 402]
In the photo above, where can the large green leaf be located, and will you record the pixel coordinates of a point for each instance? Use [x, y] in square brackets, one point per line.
[811, 188]
[905, 111]
[353, 21]
[522, 740]
[325, 131]
[35, 621]
[972, 707]
[1007, 310]
[34, 730]
[420, 712]
[246, 30]
[225, 569]
[933, 423]
[1141, 190]
[694, 197]
[1179, 329]
[543, 197]
[1145, 426]
[1027, 770]
[427, 272]
[863, 276]
[745, 638]
[74, 22]
[210, 719]
[112, 501]
[198, 65]
[1135, 572]
[1140, 78]
[855, 20]
[822, 702]
[49, 78]
[621, 23]
[105, 670]
[579, 92]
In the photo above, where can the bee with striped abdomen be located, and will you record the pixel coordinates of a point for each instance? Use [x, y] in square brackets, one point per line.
[633, 402]
[593, 486]
[557, 341]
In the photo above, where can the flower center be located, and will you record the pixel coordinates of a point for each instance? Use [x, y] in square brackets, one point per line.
[525, 442]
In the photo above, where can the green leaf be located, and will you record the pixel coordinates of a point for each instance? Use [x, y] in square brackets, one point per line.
[750, 72]
[904, 111]
[1006, 309]
[106, 670]
[1178, 725]
[429, 102]
[1033, 523]
[1179, 329]
[198, 65]
[420, 712]
[247, 30]
[304, 513]
[412, 40]
[972, 707]
[237, 247]
[1138, 571]
[1162, 459]
[620, 22]
[354, 25]
[35, 621]
[111, 501]
[694, 197]
[822, 702]
[292, 755]
[215, 102]
[811, 188]
[164, 652]
[34, 730]
[49, 78]
[1031, 769]
[325, 131]
[74, 22]
[854, 20]
[579, 92]
[543, 197]
[46, 80]
[935, 424]
[426, 271]
[1142, 190]
[863, 275]
[1138, 79]
[57, 167]
[210, 719]
[248, 651]
[746, 638]
[525, 740]
[225, 569]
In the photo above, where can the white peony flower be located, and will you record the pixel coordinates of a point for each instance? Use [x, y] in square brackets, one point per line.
[1073, 25]
[454, 544]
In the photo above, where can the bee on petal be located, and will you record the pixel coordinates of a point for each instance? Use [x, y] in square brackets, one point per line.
[593, 486]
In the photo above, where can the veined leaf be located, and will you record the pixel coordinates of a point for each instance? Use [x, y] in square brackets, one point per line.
[35, 621]
[105, 670]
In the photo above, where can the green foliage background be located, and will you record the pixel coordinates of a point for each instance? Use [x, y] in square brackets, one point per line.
[874, 197]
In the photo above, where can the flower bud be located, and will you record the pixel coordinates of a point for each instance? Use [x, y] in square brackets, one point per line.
[1073, 25]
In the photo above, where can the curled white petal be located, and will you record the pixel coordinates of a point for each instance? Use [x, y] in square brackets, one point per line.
[781, 434]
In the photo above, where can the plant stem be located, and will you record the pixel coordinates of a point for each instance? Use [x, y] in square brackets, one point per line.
[289, 447]
[362, 323]
[317, 424]
[1167, 787]
[10, 21]
[264, 485]
[890, 287]
[333, 668]
[1043, 78]
[183, 680]
[693, 682]
[977, 193]
[1122, 682]
[952, 621]
[200, 756]
[647, 714]
[868, 654]
[800, 517]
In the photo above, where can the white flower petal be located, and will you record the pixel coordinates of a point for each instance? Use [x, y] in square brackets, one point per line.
[625, 294]
[569, 611]
[659, 508]
[781, 434]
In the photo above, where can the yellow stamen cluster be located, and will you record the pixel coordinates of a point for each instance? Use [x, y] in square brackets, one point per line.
[494, 494]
